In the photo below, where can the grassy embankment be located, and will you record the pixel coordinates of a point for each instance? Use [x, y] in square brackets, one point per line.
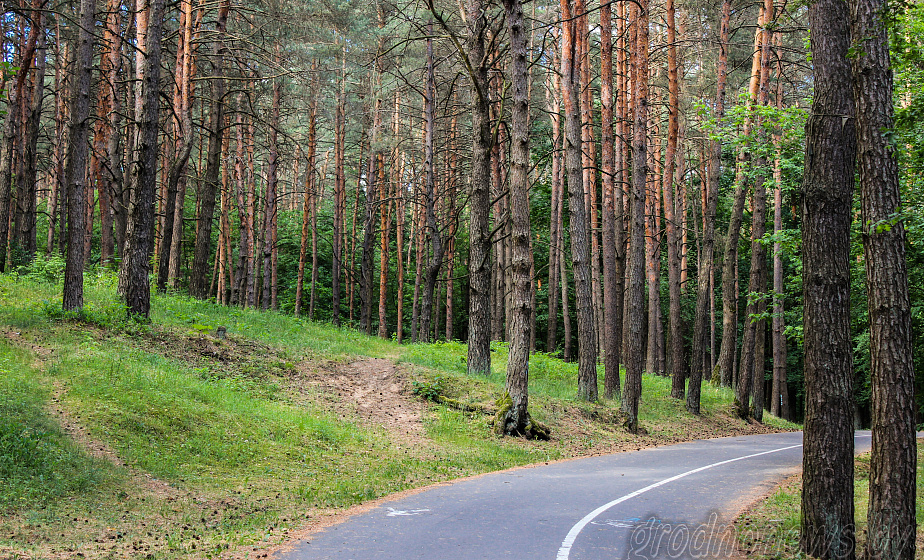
[770, 529]
[162, 441]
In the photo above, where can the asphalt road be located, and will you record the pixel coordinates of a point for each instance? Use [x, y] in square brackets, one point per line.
[665, 502]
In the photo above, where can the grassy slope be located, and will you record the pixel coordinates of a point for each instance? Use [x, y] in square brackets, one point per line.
[224, 456]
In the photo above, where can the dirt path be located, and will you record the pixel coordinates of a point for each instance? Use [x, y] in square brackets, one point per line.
[372, 388]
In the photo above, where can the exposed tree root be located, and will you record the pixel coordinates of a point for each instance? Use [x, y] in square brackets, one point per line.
[506, 422]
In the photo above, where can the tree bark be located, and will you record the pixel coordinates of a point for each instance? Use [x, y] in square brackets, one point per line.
[270, 218]
[479, 280]
[893, 461]
[371, 206]
[75, 171]
[779, 396]
[223, 292]
[386, 220]
[499, 272]
[589, 166]
[672, 230]
[827, 482]
[57, 202]
[183, 127]
[208, 188]
[400, 217]
[580, 243]
[25, 233]
[140, 234]
[339, 193]
[635, 294]
[758, 375]
[516, 421]
[308, 202]
[654, 340]
[612, 324]
[419, 251]
[553, 101]
[11, 133]
[567, 353]
[351, 269]
[622, 175]
[759, 227]
[314, 237]
[704, 276]
[111, 177]
[452, 219]
[245, 230]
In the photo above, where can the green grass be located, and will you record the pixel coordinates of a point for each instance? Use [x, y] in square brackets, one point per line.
[246, 451]
[38, 462]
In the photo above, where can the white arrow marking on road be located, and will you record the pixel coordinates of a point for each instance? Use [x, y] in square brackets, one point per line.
[392, 512]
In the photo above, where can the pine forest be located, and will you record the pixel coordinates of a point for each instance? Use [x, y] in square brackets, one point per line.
[715, 191]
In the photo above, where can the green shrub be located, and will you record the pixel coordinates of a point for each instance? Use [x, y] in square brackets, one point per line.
[431, 390]
[44, 268]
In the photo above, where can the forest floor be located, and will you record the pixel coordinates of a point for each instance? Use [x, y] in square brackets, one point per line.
[164, 440]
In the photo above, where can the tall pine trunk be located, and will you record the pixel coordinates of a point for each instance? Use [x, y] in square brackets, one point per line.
[271, 204]
[622, 176]
[244, 217]
[308, 200]
[612, 324]
[400, 218]
[339, 194]
[25, 232]
[516, 421]
[553, 102]
[110, 178]
[828, 441]
[386, 220]
[893, 462]
[779, 395]
[729, 348]
[314, 237]
[183, 129]
[208, 187]
[11, 130]
[671, 221]
[580, 242]
[140, 234]
[635, 293]
[75, 171]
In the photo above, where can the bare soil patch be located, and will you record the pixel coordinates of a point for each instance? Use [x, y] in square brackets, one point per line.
[374, 389]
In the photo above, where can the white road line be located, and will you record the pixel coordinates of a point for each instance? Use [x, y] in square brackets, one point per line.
[566, 545]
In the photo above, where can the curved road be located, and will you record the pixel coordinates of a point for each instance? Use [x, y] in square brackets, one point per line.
[664, 502]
